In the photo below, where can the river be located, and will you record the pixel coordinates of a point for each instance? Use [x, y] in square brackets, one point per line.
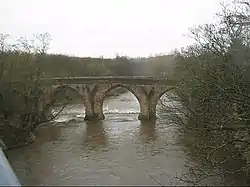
[119, 150]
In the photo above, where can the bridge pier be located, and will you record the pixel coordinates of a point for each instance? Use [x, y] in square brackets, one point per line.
[93, 105]
[89, 111]
[147, 117]
[147, 109]
[94, 117]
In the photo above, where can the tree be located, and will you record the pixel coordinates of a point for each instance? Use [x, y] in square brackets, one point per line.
[22, 86]
[214, 89]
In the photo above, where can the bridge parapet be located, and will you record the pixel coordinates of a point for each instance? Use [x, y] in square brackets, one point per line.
[112, 79]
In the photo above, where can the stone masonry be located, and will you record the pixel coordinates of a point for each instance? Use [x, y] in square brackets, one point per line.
[93, 90]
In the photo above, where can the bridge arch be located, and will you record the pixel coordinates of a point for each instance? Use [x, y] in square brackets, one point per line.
[128, 88]
[59, 88]
[56, 89]
[51, 97]
[157, 96]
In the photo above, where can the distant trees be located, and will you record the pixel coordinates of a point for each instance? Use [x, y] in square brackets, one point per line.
[60, 65]
[161, 65]
[121, 65]
[213, 88]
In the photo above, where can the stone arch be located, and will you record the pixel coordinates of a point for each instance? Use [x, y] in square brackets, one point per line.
[103, 94]
[55, 89]
[126, 87]
[156, 97]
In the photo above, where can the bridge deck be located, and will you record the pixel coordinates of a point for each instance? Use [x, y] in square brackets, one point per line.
[147, 80]
[141, 80]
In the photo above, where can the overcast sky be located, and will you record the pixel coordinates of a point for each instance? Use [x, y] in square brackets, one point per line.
[106, 27]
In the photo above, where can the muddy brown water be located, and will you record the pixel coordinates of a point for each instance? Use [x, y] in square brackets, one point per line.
[119, 150]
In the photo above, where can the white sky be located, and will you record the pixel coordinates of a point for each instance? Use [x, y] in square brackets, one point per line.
[106, 27]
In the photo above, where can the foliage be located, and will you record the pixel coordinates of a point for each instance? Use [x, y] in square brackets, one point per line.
[22, 87]
[214, 87]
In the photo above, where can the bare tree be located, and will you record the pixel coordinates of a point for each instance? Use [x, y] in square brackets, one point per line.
[44, 40]
[22, 85]
[213, 89]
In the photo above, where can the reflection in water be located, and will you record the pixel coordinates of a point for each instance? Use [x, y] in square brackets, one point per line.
[95, 135]
[44, 136]
[148, 131]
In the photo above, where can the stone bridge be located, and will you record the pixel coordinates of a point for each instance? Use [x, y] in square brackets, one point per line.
[93, 91]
